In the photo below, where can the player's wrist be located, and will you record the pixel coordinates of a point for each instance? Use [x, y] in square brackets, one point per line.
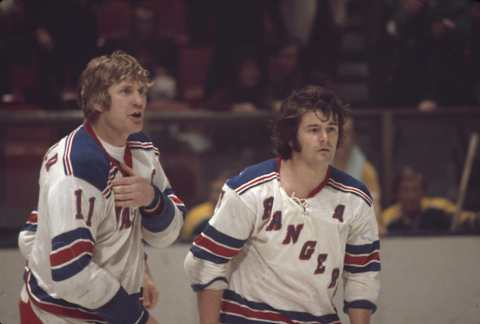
[155, 203]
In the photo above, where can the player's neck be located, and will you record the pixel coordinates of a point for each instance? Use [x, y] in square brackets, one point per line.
[298, 177]
[108, 135]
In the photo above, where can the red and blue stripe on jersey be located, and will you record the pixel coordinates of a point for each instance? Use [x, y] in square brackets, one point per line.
[55, 305]
[71, 252]
[362, 258]
[237, 309]
[216, 247]
[254, 175]
[344, 182]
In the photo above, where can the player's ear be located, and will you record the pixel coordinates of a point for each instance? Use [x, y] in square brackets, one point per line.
[98, 107]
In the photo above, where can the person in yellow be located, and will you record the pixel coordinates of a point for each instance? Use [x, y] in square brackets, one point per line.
[413, 211]
[351, 159]
[198, 216]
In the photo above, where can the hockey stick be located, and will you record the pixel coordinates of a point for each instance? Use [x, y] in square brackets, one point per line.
[467, 168]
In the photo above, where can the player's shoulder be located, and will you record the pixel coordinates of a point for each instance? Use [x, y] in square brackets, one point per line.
[254, 175]
[344, 182]
[85, 159]
[141, 141]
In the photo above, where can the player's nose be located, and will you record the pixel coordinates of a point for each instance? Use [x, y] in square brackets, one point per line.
[139, 99]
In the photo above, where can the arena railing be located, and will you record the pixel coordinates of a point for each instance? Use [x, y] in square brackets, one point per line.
[203, 142]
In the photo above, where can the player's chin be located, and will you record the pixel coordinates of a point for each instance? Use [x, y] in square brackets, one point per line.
[324, 158]
[135, 126]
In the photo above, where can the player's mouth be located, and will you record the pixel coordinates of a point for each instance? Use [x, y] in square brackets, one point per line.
[136, 115]
[136, 118]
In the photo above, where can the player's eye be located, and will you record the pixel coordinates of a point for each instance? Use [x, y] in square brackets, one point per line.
[126, 90]
[142, 91]
[332, 129]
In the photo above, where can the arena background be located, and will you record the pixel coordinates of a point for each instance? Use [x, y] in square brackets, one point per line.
[427, 279]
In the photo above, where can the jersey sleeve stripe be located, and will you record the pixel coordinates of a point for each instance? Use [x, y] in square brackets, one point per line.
[199, 287]
[363, 249]
[29, 227]
[205, 242]
[204, 254]
[67, 238]
[223, 239]
[159, 222]
[175, 200]
[364, 304]
[71, 269]
[372, 266]
[71, 252]
[361, 260]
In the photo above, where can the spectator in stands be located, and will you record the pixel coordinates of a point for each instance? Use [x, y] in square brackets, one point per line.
[65, 35]
[431, 39]
[351, 159]
[413, 211]
[197, 218]
[244, 89]
[284, 72]
[237, 24]
[156, 52]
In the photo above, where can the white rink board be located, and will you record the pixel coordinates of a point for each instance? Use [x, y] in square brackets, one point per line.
[424, 281]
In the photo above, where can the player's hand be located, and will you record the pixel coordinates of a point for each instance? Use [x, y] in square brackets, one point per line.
[132, 190]
[152, 320]
[150, 292]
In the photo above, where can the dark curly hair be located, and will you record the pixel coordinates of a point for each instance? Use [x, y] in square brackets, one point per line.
[309, 98]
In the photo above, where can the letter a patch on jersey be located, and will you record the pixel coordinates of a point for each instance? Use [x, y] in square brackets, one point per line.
[338, 213]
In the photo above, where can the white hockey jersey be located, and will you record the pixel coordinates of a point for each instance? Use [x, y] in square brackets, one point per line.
[278, 258]
[86, 263]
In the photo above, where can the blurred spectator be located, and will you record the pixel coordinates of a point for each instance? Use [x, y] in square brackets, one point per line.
[351, 159]
[197, 218]
[244, 89]
[156, 52]
[430, 64]
[284, 73]
[413, 211]
[321, 53]
[238, 24]
[299, 17]
[65, 36]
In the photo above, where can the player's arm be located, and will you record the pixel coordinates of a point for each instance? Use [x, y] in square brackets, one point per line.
[362, 264]
[27, 234]
[207, 263]
[359, 315]
[75, 210]
[209, 301]
[162, 211]
[150, 291]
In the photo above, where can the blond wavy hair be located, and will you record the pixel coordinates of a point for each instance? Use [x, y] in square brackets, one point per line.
[100, 74]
